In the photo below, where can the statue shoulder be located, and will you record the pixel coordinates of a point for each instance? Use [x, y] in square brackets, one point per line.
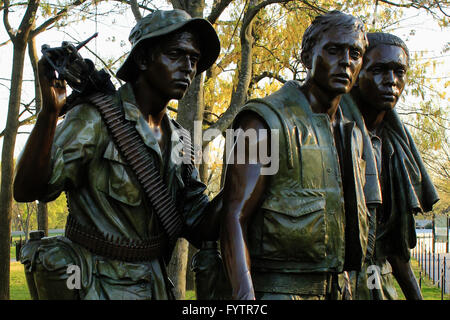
[83, 111]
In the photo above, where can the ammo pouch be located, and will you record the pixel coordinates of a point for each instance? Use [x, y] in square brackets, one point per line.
[211, 282]
[46, 261]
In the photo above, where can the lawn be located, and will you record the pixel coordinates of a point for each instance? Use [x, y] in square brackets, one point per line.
[18, 284]
[19, 290]
[429, 291]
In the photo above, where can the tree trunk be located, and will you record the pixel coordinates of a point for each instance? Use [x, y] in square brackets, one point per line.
[19, 40]
[9, 141]
[190, 277]
[177, 268]
[42, 217]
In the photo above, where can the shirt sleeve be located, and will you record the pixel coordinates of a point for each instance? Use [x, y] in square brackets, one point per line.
[195, 201]
[73, 147]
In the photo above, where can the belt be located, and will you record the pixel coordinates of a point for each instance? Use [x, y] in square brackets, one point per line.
[292, 283]
[115, 247]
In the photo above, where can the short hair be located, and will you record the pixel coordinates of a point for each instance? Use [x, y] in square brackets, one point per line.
[327, 21]
[379, 38]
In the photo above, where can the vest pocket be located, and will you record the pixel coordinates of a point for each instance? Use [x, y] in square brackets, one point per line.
[119, 184]
[294, 233]
[312, 167]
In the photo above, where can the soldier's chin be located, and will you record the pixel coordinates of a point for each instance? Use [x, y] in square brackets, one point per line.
[178, 94]
[341, 89]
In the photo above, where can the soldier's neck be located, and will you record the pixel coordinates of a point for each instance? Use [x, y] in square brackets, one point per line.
[151, 104]
[321, 101]
[373, 118]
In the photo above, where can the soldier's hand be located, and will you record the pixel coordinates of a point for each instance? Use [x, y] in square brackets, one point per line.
[53, 90]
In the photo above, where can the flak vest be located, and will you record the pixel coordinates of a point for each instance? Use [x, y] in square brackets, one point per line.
[304, 223]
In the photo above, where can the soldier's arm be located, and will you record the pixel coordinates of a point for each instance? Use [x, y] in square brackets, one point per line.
[243, 192]
[202, 217]
[33, 168]
[404, 275]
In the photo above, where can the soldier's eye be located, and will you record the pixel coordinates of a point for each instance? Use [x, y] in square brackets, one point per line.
[355, 54]
[376, 70]
[173, 53]
[332, 50]
[400, 72]
[195, 58]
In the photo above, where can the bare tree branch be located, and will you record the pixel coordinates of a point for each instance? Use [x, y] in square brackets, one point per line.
[217, 9]
[5, 42]
[25, 26]
[29, 120]
[139, 5]
[172, 109]
[212, 113]
[419, 5]
[135, 9]
[253, 10]
[27, 107]
[267, 74]
[440, 8]
[8, 27]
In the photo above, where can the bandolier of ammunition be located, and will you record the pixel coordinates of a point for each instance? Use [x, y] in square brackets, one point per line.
[124, 249]
[135, 152]
[371, 237]
[190, 158]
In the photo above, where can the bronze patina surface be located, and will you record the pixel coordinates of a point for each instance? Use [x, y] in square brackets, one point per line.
[106, 202]
[285, 236]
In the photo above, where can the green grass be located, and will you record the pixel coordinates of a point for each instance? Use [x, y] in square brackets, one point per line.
[19, 289]
[190, 295]
[18, 284]
[429, 290]
[13, 252]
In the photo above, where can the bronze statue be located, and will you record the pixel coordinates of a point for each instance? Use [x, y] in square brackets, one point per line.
[406, 186]
[291, 235]
[114, 234]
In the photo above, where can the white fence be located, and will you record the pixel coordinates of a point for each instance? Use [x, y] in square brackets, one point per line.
[433, 258]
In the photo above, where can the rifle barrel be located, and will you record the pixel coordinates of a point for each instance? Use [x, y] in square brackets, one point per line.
[82, 44]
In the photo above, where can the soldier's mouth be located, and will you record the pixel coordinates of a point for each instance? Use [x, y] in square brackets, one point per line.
[182, 82]
[388, 96]
[341, 77]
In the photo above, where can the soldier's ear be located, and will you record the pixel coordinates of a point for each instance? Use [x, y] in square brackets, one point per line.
[140, 59]
[306, 58]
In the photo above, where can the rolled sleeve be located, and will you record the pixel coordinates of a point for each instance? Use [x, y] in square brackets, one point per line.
[74, 145]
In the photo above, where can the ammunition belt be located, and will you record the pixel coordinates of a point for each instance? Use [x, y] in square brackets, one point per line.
[133, 149]
[189, 167]
[371, 237]
[116, 248]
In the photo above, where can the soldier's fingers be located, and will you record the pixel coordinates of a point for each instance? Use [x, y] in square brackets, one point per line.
[59, 83]
[46, 70]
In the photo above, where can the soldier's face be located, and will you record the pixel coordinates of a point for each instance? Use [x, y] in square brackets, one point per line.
[173, 66]
[336, 60]
[383, 76]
